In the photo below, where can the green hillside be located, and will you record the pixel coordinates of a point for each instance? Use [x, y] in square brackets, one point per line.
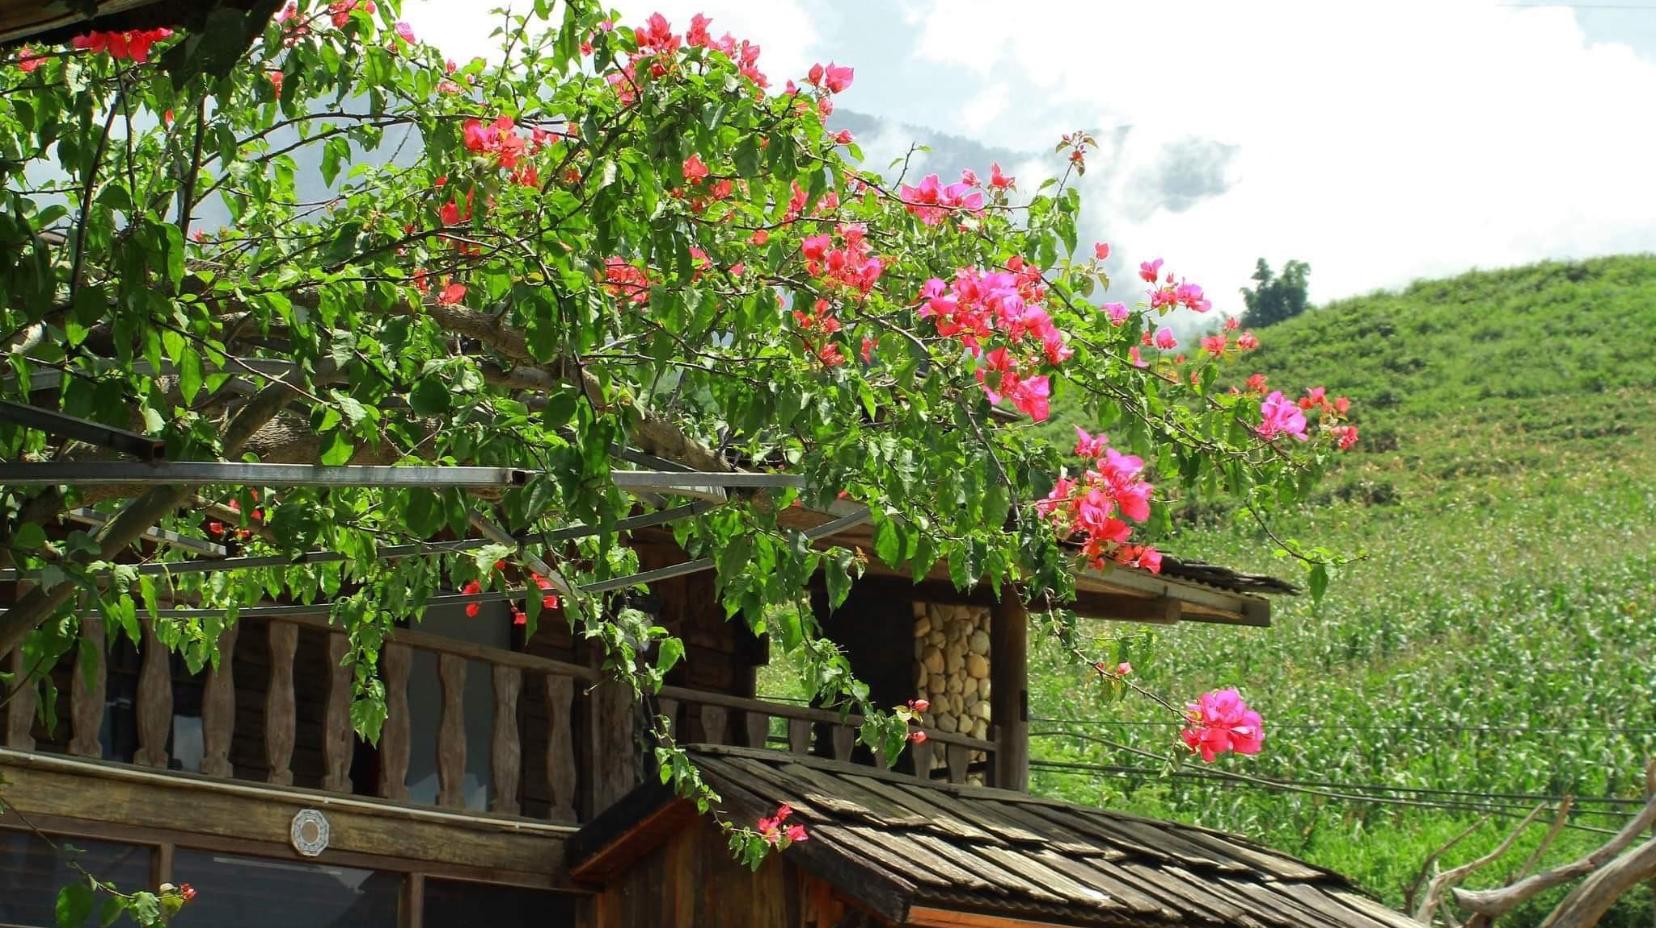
[1496, 642]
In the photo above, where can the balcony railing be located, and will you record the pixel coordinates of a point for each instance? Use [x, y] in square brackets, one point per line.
[515, 679]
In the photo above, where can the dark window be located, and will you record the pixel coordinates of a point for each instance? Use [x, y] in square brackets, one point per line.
[448, 903]
[32, 871]
[251, 893]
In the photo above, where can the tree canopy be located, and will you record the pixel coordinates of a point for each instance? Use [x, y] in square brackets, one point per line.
[617, 240]
[1274, 298]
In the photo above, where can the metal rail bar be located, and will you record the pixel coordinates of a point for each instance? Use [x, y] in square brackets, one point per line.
[311, 475]
[53, 422]
[673, 479]
[158, 535]
[394, 552]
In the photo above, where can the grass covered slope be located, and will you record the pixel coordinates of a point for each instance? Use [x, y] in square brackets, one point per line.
[1496, 642]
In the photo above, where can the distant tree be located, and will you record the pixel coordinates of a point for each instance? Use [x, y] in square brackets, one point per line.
[1273, 298]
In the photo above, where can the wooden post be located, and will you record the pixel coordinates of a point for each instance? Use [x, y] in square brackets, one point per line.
[612, 749]
[758, 728]
[337, 737]
[560, 747]
[20, 704]
[506, 750]
[451, 732]
[86, 691]
[155, 701]
[799, 736]
[1009, 693]
[395, 662]
[218, 708]
[713, 720]
[281, 714]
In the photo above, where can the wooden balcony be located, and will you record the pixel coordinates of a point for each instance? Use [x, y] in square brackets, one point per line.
[558, 742]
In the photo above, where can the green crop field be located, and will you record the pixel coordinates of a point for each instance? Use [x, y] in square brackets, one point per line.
[1496, 640]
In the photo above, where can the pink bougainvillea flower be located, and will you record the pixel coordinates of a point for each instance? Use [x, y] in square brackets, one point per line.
[1090, 446]
[1257, 383]
[1150, 270]
[1345, 436]
[27, 60]
[1101, 250]
[452, 294]
[1135, 359]
[1165, 339]
[1215, 344]
[1123, 669]
[1247, 341]
[919, 705]
[405, 32]
[1314, 398]
[1281, 417]
[1220, 721]
[837, 78]
[917, 736]
[1000, 181]
[796, 833]
[1116, 312]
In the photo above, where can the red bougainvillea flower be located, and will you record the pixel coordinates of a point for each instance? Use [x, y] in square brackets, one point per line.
[775, 833]
[999, 181]
[1101, 250]
[1219, 721]
[341, 10]
[472, 588]
[1281, 417]
[1257, 383]
[1215, 344]
[519, 617]
[919, 705]
[932, 200]
[695, 170]
[132, 45]
[917, 736]
[1123, 669]
[1345, 436]
[452, 294]
[1247, 341]
[187, 891]
[27, 60]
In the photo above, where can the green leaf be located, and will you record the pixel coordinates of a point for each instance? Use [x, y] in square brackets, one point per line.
[28, 536]
[1318, 581]
[74, 905]
[430, 397]
[670, 652]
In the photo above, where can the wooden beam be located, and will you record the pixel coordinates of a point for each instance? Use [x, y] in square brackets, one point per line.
[927, 917]
[196, 811]
[1125, 607]
[1009, 690]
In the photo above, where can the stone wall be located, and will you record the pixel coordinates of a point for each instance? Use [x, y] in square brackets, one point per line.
[951, 666]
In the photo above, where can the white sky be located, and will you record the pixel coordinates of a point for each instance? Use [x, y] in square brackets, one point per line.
[1380, 142]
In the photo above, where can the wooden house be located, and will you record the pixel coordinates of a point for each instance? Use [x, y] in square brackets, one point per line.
[512, 783]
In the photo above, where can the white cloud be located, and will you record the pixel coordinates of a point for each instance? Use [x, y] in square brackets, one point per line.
[786, 33]
[985, 108]
[1380, 142]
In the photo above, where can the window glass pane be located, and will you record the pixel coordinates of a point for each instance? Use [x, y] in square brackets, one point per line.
[251, 893]
[449, 904]
[32, 872]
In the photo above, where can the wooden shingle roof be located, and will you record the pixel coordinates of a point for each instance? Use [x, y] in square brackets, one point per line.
[903, 847]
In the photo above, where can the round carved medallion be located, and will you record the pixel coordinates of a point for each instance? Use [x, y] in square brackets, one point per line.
[309, 832]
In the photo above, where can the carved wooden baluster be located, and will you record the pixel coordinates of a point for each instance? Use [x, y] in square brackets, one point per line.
[758, 728]
[921, 752]
[799, 736]
[506, 754]
[560, 747]
[845, 737]
[713, 720]
[155, 701]
[218, 709]
[959, 758]
[337, 738]
[280, 706]
[86, 691]
[395, 661]
[20, 704]
[669, 708]
[451, 732]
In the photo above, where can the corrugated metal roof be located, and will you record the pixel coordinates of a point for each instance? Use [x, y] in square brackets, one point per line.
[918, 844]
